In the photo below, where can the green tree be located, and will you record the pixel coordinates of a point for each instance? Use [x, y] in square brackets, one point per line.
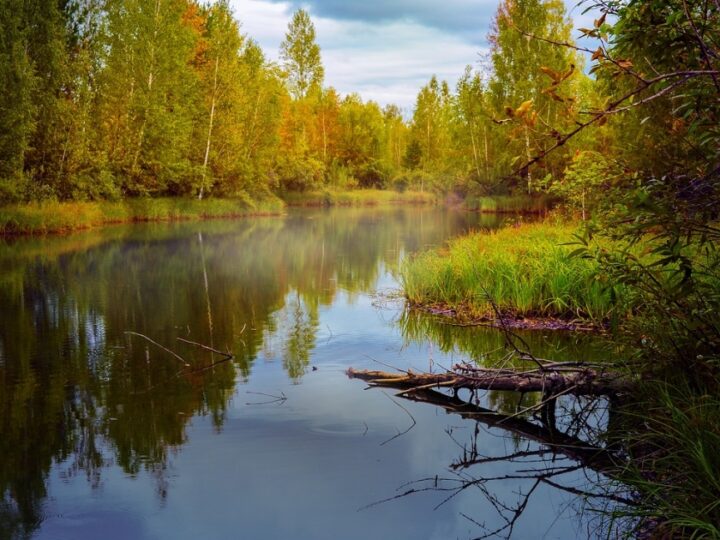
[430, 124]
[473, 126]
[149, 94]
[524, 72]
[221, 73]
[17, 109]
[301, 55]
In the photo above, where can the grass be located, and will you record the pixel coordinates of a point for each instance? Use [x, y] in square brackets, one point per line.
[509, 204]
[359, 197]
[525, 270]
[675, 441]
[63, 217]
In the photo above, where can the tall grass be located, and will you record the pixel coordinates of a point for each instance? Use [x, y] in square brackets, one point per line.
[56, 217]
[674, 433]
[525, 270]
[359, 197]
[508, 204]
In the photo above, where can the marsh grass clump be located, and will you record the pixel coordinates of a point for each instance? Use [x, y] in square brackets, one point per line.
[526, 270]
[509, 204]
[675, 461]
[63, 217]
[358, 197]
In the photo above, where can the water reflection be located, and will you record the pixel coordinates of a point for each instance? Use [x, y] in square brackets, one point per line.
[77, 389]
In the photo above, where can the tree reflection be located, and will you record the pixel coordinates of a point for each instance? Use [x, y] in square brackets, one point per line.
[553, 440]
[76, 389]
[544, 453]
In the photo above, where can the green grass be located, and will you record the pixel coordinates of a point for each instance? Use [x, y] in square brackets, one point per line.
[525, 270]
[509, 204]
[62, 217]
[674, 431]
[359, 197]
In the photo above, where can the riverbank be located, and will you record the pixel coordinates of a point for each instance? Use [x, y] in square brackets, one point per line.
[669, 425]
[524, 271]
[509, 204]
[360, 197]
[65, 217]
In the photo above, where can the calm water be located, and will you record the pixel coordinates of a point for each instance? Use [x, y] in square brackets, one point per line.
[104, 434]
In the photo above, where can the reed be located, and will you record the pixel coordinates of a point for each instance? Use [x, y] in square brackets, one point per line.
[524, 270]
[509, 204]
[359, 197]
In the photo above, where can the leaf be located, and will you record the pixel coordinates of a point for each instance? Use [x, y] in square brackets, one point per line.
[624, 64]
[580, 252]
[598, 54]
[524, 107]
[599, 22]
[531, 119]
[569, 72]
[590, 32]
[554, 75]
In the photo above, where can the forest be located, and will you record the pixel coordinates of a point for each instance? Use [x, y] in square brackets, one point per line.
[107, 100]
[142, 110]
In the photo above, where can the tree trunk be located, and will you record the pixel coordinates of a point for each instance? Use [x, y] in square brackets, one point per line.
[553, 381]
[210, 126]
[475, 154]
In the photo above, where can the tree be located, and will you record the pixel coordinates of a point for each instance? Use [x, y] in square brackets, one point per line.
[473, 124]
[219, 69]
[149, 94]
[17, 110]
[525, 70]
[301, 55]
[430, 125]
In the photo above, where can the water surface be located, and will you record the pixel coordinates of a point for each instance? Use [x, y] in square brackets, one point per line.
[106, 434]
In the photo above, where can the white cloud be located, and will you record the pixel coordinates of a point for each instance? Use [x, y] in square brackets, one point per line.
[386, 61]
[386, 58]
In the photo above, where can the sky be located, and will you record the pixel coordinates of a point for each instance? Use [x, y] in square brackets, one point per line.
[385, 50]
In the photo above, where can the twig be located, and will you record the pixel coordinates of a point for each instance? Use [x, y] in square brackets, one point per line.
[180, 358]
[281, 398]
[228, 355]
[414, 423]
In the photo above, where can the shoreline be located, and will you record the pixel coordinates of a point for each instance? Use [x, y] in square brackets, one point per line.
[457, 316]
[60, 218]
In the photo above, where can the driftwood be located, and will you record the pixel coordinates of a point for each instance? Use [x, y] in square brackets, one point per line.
[557, 379]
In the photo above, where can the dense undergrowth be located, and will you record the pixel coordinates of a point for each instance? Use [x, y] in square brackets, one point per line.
[511, 204]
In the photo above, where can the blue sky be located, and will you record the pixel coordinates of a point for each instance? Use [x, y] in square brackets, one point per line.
[384, 49]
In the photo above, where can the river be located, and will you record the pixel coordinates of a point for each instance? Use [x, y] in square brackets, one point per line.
[118, 422]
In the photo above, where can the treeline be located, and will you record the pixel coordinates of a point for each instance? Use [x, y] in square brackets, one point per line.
[111, 98]
[105, 99]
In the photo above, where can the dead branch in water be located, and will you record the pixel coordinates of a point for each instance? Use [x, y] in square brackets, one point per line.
[564, 378]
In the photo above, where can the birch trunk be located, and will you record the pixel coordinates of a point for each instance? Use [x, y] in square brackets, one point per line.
[210, 127]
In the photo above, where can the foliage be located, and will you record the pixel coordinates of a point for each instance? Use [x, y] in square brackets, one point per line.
[585, 183]
[301, 55]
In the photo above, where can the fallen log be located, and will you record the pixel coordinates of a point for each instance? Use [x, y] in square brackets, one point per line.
[551, 381]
